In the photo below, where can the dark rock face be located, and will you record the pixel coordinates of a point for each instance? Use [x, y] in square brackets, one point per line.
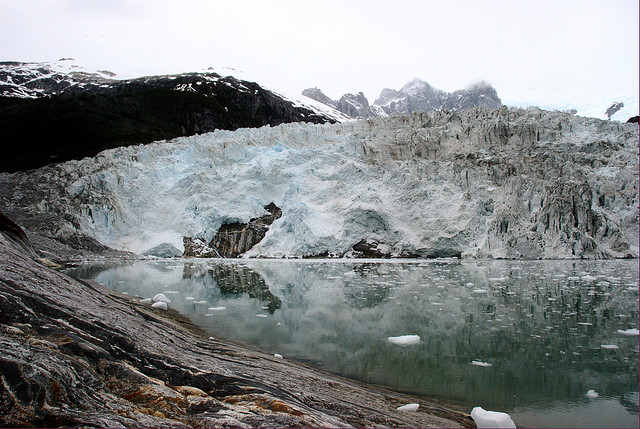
[71, 121]
[234, 239]
[77, 354]
[633, 119]
[416, 95]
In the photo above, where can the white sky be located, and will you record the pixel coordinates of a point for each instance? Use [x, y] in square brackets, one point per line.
[545, 52]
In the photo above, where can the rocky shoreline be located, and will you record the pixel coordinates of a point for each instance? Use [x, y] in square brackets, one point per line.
[79, 354]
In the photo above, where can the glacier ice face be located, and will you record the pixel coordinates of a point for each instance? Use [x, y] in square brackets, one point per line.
[506, 183]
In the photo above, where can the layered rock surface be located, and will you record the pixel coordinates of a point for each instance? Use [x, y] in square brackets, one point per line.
[79, 354]
[504, 183]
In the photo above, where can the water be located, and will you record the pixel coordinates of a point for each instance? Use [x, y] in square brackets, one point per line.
[545, 332]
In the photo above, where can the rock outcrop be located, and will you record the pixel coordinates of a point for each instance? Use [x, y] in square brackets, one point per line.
[77, 354]
[234, 239]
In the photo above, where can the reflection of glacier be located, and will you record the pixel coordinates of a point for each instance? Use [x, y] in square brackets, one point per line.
[503, 183]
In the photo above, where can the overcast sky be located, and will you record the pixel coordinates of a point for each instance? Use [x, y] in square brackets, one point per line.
[556, 52]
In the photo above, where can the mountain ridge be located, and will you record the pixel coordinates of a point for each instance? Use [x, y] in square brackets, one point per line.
[415, 95]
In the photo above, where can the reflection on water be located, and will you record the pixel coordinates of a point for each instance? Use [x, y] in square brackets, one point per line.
[548, 329]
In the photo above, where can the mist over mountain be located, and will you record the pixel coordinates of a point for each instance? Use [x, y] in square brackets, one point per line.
[416, 95]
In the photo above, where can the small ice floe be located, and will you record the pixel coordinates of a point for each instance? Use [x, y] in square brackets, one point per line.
[479, 363]
[278, 324]
[608, 346]
[261, 315]
[589, 278]
[171, 292]
[190, 298]
[409, 407]
[592, 394]
[161, 305]
[585, 323]
[161, 298]
[211, 338]
[470, 284]
[404, 340]
[491, 419]
[146, 300]
[217, 308]
[628, 332]
[480, 291]
[200, 302]
[278, 356]
[120, 282]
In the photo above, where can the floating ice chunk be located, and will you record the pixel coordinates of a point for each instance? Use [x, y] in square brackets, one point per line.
[200, 302]
[161, 305]
[261, 315]
[592, 394]
[628, 332]
[470, 284]
[190, 298]
[608, 346]
[211, 338]
[480, 291]
[146, 301]
[161, 298]
[409, 407]
[217, 308]
[479, 363]
[171, 291]
[404, 340]
[589, 278]
[278, 355]
[491, 419]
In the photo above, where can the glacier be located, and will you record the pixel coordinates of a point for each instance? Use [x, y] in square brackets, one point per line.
[505, 183]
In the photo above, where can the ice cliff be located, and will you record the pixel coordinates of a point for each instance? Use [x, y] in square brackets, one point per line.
[504, 183]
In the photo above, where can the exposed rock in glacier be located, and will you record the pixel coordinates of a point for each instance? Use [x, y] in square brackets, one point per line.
[234, 239]
[506, 183]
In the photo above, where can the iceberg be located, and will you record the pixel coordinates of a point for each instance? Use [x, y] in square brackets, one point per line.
[491, 419]
[404, 340]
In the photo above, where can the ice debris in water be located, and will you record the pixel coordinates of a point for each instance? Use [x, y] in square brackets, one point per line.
[608, 346]
[146, 300]
[404, 340]
[161, 298]
[592, 394]
[491, 419]
[217, 308]
[161, 305]
[628, 332]
[261, 315]
[409, 407]
[278, 355]
[479, 363]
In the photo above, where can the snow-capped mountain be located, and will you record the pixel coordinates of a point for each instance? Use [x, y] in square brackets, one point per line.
[416, 95]
[504, 183]
[61, 111]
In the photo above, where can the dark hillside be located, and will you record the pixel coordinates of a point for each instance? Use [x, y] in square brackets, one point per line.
[80, 123]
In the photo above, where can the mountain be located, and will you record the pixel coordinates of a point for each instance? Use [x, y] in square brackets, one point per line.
[416, 95]
[57, 112]
[503, 183]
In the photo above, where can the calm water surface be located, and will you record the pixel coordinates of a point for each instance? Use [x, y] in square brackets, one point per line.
[541, 333]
